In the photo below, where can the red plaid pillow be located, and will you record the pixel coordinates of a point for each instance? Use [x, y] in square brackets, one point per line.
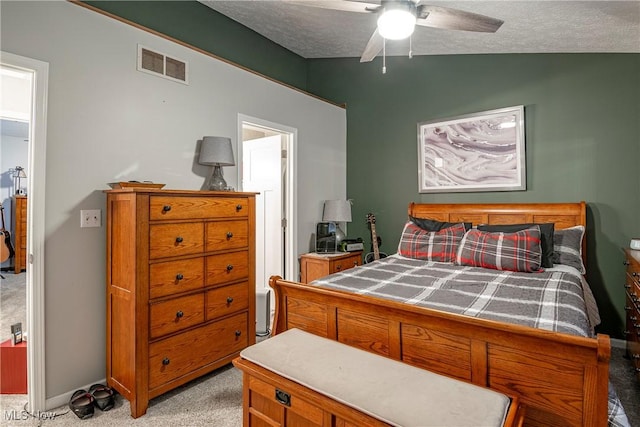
[439, 246]
[519, 251]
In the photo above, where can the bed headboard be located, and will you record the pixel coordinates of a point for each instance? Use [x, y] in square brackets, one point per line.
[563, 215]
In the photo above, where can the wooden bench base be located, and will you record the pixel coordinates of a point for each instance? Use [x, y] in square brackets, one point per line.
[288, 384]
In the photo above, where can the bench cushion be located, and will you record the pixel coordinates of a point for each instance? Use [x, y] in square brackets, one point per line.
[391, 391]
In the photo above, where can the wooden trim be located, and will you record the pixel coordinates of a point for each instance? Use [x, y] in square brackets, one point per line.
[202, 51]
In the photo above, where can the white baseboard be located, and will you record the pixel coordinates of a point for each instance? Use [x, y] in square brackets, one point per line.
[63, 399]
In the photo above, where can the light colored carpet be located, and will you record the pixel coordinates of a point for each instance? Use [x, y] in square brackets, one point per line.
[212, 400]
[12, 303]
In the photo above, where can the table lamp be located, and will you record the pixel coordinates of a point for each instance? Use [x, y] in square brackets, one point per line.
[216, 151]
[337, 211]
[19, 174]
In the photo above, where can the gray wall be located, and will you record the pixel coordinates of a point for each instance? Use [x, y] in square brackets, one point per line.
[582, 120]
[108, 122]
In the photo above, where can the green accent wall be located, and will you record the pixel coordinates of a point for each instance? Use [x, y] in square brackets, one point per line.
[582, 126]
[582, 115]
[204, 28]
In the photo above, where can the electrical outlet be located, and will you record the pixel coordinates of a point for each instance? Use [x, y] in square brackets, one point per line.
[90, 218]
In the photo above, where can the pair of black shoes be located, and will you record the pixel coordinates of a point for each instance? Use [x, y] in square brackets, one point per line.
[82, 402]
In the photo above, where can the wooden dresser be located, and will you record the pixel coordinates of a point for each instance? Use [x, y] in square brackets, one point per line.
[19, 218]
[315, 265]
[632, 307]
[180, 287]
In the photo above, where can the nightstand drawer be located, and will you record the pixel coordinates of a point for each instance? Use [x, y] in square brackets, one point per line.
[176, 239]
[168, 278]
[227, 299]
[227, 267]
[179, 355]
[176, 314]
[225, 235]
[170, 208]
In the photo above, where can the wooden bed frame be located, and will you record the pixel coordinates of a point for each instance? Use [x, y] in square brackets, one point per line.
[562, 379]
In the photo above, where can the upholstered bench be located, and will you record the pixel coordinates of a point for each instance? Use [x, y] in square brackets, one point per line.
[296, 378]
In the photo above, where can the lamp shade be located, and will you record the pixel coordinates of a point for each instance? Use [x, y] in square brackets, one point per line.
[337, 211]
[216, 150]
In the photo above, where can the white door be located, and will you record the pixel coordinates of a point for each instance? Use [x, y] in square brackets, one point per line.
[262, 172]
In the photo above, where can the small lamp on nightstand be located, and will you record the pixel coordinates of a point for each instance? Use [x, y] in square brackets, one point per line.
[18, 175]
[337, 211]
[216, 151]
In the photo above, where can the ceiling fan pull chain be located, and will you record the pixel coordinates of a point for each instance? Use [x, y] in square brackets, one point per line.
[410, 48]
[384, 56]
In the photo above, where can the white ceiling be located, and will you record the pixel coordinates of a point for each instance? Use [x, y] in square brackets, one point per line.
[529, 27]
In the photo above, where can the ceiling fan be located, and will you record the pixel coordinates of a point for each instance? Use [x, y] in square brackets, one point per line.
[398, 18]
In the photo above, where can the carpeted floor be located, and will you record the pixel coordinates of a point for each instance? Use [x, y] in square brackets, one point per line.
[213, 400]
[13, 297]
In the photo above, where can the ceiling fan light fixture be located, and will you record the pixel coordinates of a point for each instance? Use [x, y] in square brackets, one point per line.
[397, 23]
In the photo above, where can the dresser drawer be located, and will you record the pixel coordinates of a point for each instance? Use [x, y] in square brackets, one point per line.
[176, 314]
[225, 235]
[227, 299]
[176, 239]
[177, 356]
[168, 278]
[227, 267]
[170, 207]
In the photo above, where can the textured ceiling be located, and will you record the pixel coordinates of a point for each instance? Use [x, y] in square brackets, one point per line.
[529, 27]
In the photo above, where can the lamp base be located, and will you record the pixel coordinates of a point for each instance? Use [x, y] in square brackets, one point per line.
[216, 181]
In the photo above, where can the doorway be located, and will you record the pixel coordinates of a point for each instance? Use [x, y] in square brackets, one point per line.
[267, 166]
[35, 116]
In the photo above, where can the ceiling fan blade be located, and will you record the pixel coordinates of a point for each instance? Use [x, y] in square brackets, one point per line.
[455, 19]
[343, 5]
[374, 46]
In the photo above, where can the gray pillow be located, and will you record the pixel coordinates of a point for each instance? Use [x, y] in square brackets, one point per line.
[567, 247]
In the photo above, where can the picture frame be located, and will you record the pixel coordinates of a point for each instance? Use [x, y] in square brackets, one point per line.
[482, 151]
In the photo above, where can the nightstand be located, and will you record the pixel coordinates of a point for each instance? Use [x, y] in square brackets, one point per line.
[315, 265]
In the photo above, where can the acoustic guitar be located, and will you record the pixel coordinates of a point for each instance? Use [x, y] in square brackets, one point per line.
[376, 241]
[6, 248]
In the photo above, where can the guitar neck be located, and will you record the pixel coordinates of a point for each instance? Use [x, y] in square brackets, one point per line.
[374, 242]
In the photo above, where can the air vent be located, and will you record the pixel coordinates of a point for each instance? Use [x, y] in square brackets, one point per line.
[162, 65]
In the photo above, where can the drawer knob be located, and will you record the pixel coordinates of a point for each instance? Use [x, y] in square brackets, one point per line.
[625, 262]
[238, 332]
[179, 239]
[166, 208]
[166, 361]
[179, 314]
[179, 276]
[634, 274]
[339, 267]
[229, 267]
[627, 308]
[625, 332]
[635, 356]
[229, 300]
[626, 286]
[229, 234]
[238, 207]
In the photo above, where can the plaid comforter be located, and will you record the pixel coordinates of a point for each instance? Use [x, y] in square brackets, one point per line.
[551, 300]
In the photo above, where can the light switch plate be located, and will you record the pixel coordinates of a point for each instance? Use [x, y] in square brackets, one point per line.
[90, 218]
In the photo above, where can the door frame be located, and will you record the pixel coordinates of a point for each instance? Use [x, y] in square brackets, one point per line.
[290, 190]
[35, 301]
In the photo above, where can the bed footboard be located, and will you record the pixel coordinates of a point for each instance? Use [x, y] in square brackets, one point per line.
[562, 379]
